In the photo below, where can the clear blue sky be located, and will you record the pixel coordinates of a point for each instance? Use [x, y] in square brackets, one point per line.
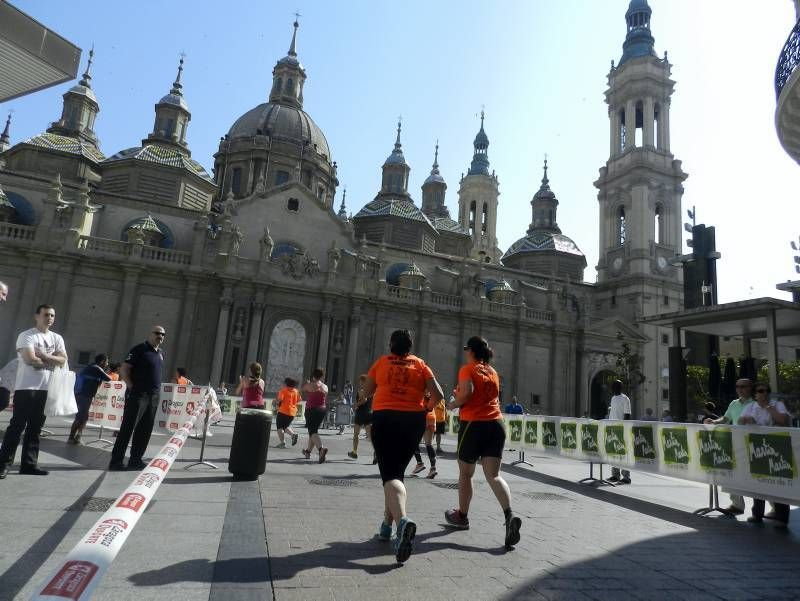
[539, 67]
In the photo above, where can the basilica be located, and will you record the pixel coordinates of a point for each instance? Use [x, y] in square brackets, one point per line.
[261, 260]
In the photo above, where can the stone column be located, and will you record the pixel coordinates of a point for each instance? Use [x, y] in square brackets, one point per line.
[423, 330]
[122, 333]
[772, 351]
[613, 118]
[663, 139]
[253, 345]
[630, 124]
[184, 336]
[221, 339]
[352, 345]
[648, 136]
[324, 340]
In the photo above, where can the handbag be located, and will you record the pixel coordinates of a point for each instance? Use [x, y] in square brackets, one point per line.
[61, 392]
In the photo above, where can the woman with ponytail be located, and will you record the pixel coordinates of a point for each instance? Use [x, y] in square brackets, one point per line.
[481, 436]
[252, 388]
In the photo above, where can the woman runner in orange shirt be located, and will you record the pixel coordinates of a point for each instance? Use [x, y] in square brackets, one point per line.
[397, 383]
[481, 435]
[288, 397]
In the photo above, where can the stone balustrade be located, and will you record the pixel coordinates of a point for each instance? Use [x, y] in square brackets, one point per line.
[12, 231]
[166, 255]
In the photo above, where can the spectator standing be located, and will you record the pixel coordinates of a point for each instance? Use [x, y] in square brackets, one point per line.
[648, 415]
[766, 412]
[620, 408]
[744, 388]
[8, 378]
[141, 372]
[666, 416]
[40, 351]
[514, 408]
[86, 385]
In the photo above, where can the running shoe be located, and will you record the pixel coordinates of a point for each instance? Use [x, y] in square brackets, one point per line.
[352, 455]
[280, 445]
[323, 452]
[420, 468]
[512, 531]
[432, 474]
[295, 438]
[456, 519]
[385, 531]
[403, 542]
[306, 453]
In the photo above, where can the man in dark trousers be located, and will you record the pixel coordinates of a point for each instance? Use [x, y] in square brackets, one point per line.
[141, 373]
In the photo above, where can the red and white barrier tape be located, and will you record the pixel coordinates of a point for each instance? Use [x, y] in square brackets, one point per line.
[84, 567]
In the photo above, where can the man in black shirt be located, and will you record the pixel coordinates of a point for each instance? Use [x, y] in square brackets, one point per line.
[86, 385]
[141, 372]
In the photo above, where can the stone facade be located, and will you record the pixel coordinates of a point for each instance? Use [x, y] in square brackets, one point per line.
[254, 264]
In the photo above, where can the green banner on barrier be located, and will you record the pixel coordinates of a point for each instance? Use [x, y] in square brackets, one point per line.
[514, 429]
[590, 439]
[771, 455]
[531, 432]
[675, 446]
[455, 421]
[644, 445]
[549, 436]
[569, 435]
[615, 440]
[716, 449]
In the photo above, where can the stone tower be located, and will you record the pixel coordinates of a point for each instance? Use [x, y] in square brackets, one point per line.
[477, 202]
[640, 190]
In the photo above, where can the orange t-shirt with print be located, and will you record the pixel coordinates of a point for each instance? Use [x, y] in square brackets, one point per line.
[401, 383]
[288, 398]
[484, 404]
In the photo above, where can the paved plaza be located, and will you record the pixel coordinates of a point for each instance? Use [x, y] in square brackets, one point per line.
[306, 532]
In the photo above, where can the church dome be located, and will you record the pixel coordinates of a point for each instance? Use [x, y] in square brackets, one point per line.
[539, 241]
[283, 123]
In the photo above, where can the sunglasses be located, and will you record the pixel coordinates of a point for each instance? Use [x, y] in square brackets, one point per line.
[762, 391]
[162, 334]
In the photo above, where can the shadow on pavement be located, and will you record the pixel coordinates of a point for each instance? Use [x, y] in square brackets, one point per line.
[337, 556]
[693, 565]
[210, 479]
[22, 570]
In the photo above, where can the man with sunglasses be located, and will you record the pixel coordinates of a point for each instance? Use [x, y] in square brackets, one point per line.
[141, 373]
[767, 412]
[744, 388]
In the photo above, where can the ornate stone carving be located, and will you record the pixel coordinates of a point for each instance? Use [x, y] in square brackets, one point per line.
[236, 240]
[239, 323]
[287, 349]
[333, 259]
[298, 265]
[266, 244]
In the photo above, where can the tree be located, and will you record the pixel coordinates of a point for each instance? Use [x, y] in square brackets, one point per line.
[629, 368]
[788, 377]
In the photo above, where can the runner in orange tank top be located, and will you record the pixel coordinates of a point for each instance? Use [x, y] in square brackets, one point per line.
[481, 435]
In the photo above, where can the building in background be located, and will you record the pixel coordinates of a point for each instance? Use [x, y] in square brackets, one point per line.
[256, 262]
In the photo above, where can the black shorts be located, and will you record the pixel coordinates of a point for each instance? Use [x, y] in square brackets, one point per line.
[440, 427]
[395, 437]
[283, 421]
[314, 418]
[362, 417]
[481, 439]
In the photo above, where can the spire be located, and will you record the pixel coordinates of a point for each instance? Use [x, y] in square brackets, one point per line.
[435, 169]
[545, 181]
[293, 45]
[397, 154]
[5, 137]
[544, 207]
[87, 77]
[480, 158]
[177, 87]
[397, 144]
[639, 41]
[342, 209]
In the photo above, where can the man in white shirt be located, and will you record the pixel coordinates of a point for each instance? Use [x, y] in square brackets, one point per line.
[40, 351]
[619, 409]
[766, 412]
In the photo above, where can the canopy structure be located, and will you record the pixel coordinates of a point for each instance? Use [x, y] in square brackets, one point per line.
[32, 57]
[767, 319]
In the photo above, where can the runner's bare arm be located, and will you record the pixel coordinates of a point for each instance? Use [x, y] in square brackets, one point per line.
[369, 387]
[433, 387]
[463, 393]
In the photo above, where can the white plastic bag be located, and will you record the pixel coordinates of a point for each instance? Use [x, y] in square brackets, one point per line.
[61, 393]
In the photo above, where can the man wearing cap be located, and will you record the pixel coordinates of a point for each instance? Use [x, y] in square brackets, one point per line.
[141, 373]
[744, 388]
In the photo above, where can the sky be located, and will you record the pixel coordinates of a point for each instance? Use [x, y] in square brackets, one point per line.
[539, 67]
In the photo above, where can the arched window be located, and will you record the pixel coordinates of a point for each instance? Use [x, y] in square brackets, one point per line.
[236, 180]
[638, 140]
[290, 86]
[484, 219]
[659, 225]
[623, 134]
[622, 227]
[472, 216]
[281, 177]
[656, 123]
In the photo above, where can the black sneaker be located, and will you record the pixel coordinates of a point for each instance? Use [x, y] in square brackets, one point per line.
[754, 519]
[136, 465]
[512, 531]
[33, 471]
[116, 466]
[295, 438]
[625, 480]
[3, 472]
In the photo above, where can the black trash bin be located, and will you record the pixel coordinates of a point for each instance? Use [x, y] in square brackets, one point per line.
[250, 442]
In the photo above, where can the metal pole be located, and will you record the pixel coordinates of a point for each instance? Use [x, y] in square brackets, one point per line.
[203, 445]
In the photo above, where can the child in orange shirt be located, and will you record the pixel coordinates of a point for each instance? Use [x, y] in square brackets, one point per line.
[288, 397]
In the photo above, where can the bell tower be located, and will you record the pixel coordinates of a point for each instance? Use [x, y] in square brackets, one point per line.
[639, 192]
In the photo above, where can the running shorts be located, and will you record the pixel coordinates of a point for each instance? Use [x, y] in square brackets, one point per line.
[283, 421]
[430, 422]
[363, 416]
[481, 439]
[314, 418]
[440, 427]
[395, 437]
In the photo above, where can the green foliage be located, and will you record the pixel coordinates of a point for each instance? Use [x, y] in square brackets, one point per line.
[697, 387]
[629, 368]
[788, 377]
